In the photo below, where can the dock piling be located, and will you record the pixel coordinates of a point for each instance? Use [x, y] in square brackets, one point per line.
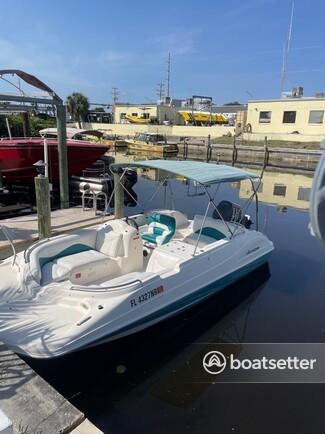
[42, 191]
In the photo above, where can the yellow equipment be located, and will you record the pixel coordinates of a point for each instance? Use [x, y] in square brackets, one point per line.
[203, 118]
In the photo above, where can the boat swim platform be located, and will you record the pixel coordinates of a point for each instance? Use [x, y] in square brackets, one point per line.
[23, 230]
[32, 404]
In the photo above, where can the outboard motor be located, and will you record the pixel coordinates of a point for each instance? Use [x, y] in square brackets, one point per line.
[130, 179]
[231, 212]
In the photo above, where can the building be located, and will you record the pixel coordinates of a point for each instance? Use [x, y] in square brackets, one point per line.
[295, 118]
[148, 113]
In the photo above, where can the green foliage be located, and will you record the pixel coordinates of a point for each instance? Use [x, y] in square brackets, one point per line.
[16, 125]
[232, 103]
[78, 107]
[98, 109]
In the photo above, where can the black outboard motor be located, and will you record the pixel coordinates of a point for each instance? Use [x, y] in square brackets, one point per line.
[231, 212]
[130, 179]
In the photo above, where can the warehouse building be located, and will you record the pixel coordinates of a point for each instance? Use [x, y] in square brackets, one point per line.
[282, 118]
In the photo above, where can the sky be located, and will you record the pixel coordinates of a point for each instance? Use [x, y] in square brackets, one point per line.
[230, 50]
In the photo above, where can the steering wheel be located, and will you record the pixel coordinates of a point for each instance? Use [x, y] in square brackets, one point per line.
[132, 222]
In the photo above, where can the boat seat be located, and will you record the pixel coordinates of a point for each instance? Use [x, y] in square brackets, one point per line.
[212, 228]
[161, 228]
[203, 241]
[82, 268]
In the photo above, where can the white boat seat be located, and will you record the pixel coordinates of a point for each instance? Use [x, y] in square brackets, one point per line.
[203, 241]
[81, 268]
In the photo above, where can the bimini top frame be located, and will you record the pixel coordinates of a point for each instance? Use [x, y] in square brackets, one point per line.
[204, 174]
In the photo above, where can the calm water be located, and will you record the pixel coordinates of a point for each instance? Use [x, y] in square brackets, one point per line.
[282, 302]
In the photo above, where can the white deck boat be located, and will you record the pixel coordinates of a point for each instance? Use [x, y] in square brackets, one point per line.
[78, 290]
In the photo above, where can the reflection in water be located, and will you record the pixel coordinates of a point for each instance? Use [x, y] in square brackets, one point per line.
[283, 189]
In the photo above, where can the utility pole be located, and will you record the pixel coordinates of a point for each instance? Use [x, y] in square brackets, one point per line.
[115, 95]
[160, 91]
[168, 76]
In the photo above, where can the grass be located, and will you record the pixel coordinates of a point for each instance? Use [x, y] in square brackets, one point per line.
[225, 140]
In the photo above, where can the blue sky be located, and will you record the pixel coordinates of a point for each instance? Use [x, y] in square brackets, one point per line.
[231, 50]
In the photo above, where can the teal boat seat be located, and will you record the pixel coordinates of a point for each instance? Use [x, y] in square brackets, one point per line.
[212, 233]
[161, 228]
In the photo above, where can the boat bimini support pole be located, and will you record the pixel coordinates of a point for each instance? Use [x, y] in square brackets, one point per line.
[201, 228]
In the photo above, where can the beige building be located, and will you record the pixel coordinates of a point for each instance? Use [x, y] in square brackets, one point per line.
[298, 119]
[159, 113]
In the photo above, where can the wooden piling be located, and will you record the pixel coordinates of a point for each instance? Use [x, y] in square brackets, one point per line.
[42, 191]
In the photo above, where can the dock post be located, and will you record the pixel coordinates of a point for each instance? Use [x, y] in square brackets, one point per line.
[209, 150]
[62, 155]
[42, 191]
[118, 196]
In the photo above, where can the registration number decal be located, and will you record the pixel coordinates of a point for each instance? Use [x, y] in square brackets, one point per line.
[146, 296]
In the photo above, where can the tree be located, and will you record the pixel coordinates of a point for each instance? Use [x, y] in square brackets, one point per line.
[232, 103]
[78, 106]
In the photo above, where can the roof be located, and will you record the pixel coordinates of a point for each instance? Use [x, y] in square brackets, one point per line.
[203, 173]
[285, 100]
[71, 132]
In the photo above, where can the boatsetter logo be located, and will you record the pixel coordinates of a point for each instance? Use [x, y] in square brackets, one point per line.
[215, 362]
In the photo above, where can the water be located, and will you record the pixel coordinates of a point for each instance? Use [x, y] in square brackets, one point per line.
[135, 385]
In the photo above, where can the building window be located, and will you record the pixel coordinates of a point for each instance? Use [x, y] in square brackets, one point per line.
[134, 114]
[289, 117]
[257, 186]
[122, 115]
[316, 116]
[265, 117]
[304, 193]
[279, 190]
[145, 115]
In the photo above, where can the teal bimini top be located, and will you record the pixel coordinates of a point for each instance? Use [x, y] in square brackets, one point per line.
[203, 173]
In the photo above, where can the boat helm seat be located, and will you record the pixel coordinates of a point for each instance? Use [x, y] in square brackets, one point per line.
[161, 228]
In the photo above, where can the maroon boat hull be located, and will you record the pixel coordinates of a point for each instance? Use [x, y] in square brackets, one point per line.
[17, 157]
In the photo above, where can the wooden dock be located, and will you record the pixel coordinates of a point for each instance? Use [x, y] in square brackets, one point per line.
[23, 230]
[33, 405]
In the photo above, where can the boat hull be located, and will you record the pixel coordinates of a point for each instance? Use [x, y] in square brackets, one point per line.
[185, 303]
[18, 156]
[135, 145]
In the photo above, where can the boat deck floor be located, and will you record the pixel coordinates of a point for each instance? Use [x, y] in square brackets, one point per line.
[24, 229]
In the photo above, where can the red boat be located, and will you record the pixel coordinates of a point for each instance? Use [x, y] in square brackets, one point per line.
[17, 157]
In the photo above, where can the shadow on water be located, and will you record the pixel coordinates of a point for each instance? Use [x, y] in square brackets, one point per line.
[96, 378]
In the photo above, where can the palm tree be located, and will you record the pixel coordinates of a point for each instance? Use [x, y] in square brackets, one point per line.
[78, 106]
